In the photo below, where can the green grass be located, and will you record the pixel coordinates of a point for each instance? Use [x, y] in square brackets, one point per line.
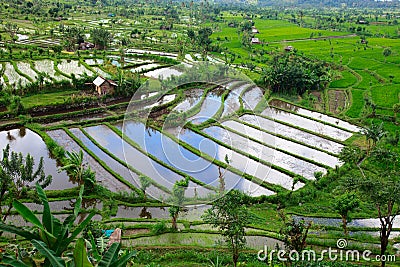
[386, 95]
[367, 81]
[357, 105]
[43, 99]
[347, 80]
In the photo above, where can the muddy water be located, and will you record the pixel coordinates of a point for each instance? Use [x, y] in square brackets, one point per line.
[232, 103]
[307, 124]
[284, 144]
[163, 176]
[267, 154]
[315, 115]
[26, 141]
[293, 133]
[103, 176]
[193, 97]
[239, 162]
[177, 156]
[210, 106]
[252, 97]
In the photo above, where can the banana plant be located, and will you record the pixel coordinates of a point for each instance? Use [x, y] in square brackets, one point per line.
[54, 234]
[80, 257]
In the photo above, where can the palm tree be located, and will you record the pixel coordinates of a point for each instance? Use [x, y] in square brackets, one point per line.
[373, 133]
[75, 166]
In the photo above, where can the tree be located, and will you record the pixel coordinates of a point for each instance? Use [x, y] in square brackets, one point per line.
[343, 205]
[373, 133]
[145, 183]
[352, 155]
[74, 165]
[17, 178]
[203, 40]
[101, 38]
[381, 186]
[289, 73]
[387, 52]
[16, 105]
[11, 29]
[230, 216]
[178, 196]
[294, 232]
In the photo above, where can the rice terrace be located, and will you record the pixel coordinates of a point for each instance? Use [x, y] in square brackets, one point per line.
[199, 133]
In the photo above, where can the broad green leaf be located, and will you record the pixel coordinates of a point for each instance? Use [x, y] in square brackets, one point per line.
[18, 231]
[78, 203]
[110, 256]
[80, 256]
[49, 254]
[27, 214]
[14, 262]
[48, 238]
[65, 242]
[47, 216]
[124, 260]
[95, 251]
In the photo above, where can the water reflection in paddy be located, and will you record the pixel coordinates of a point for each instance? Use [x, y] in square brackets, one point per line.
[163, 176]
[210, 106]
[315, 115]
[267, 154]
[232, 103]
[252, 97]
[238, 161]
[307, 124]
[25, 141]
[177, 156]
[284, 144]
[106, 179]
[193, 97]
[293, 133]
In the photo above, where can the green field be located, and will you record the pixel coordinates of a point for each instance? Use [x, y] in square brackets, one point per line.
[44, 99]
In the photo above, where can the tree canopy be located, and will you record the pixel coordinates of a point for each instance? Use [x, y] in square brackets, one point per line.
[290, 73]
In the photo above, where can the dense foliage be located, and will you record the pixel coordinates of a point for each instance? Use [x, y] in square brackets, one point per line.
[290, 73]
